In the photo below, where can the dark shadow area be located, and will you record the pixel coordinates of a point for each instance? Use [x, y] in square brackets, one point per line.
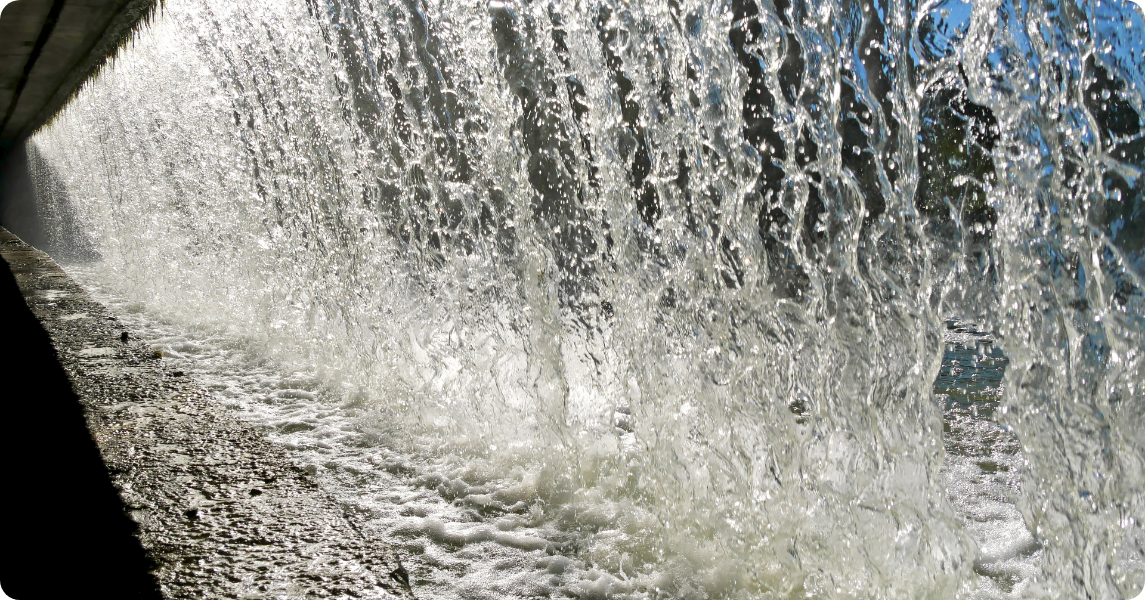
[36, 206]
[65, 533]
[18, 212]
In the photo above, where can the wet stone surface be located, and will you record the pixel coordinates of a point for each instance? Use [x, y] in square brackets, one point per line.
[221, 511]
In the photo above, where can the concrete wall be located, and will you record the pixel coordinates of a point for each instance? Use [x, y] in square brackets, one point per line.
[48, 48]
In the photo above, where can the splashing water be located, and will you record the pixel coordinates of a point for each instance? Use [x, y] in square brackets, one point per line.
[657, 291]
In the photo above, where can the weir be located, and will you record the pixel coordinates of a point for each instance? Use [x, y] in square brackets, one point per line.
[680, 299]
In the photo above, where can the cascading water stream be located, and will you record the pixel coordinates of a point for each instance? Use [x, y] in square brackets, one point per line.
[649, 299]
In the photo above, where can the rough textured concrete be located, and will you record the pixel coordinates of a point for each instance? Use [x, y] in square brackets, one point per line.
[63, 529]
[48, 48]
[221, 512]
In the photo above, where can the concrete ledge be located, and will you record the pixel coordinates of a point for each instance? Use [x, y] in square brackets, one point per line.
[51, 48]
[220, 511]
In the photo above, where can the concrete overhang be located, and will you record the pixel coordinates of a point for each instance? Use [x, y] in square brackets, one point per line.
[49, 48]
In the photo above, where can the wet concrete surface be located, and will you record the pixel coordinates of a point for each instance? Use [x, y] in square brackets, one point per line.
[63, 530]
[213, 509]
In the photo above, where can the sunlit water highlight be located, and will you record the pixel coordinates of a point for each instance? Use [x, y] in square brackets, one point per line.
[650, 300]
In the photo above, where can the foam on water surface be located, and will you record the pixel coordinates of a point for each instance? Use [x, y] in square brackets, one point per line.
[473, 528]
[466, 526]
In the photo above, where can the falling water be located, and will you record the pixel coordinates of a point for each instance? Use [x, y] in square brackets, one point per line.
[649, 299]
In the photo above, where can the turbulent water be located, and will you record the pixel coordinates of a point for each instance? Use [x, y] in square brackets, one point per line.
[650, 299]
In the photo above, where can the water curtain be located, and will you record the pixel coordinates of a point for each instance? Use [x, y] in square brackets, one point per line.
[694, 258]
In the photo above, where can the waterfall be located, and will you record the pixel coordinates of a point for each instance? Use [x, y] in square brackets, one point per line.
[670, 278]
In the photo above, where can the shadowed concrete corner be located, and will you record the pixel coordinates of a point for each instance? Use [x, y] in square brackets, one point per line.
[18, 212]
[35, 206]
[64, 530]
[48, 49]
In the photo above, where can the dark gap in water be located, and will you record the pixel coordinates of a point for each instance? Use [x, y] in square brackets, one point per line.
[983, 462]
